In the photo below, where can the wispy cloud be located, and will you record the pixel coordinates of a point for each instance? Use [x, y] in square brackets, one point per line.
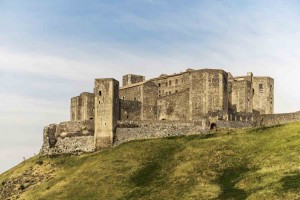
[51, 51]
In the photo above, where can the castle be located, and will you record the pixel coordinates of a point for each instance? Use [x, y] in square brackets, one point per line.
[183, 103]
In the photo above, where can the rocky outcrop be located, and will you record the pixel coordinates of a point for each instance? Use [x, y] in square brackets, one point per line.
[14, 186]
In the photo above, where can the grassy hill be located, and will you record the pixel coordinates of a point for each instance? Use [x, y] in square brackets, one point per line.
[245, 164]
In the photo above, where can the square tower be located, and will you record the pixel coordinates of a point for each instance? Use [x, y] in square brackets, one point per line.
[263, 94]
[132, 79]
[208, 92]
[106, 112]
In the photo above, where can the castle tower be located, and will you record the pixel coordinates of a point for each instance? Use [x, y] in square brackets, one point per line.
[132, 79]
[106, 111]
[208, 92]
[263, 94]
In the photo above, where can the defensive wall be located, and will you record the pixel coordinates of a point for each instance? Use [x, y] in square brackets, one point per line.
[78, 137]
[277, 119]
[190, 102]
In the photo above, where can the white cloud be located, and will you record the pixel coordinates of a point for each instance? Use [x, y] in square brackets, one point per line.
[259, 37]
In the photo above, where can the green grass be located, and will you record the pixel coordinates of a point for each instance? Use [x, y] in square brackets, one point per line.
[242, 164]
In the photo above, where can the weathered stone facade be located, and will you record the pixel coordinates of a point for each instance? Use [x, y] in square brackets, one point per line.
[132, 78]
[190, 102]
[106, 111]
[82, 107]
[263, 98]
[68, 138]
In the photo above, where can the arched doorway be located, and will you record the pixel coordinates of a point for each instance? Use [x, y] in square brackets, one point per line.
[213, 126]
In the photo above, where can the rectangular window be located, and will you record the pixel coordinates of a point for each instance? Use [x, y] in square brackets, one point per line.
[100, 93]
[159, 85]
[261, 87]
[166, 83]
[176, 81]
[170, 83]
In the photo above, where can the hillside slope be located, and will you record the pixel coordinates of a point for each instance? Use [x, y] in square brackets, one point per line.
[246, 164]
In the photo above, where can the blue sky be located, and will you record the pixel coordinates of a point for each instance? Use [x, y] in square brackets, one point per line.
[53, 50]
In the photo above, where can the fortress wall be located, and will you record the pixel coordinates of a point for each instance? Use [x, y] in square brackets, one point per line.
[275, 119]
[263, 98]
[240, 96]
[171, 84]
[133, 93]
[68, 137]
[130, 110]
[70, 145]
[75, 109]
[251, 118]
[149, 101]
[128, 131]
[78, 128]
[107, 111]
[132, 78]
[242, 123]
[87, 106]
[208, 92]
[82, 107]
[174, 106]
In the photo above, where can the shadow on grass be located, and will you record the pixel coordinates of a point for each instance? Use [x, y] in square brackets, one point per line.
[291, 182]
[228, 180]
[151, 169]
[154, 171]
[188, 138]
[265, 128]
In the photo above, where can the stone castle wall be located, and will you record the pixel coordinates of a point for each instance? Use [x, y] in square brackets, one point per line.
[263, 98]
[78, 137]
[240, 96]
[132, 79]
[171, 84]
[208, 92]
[149, 101]
[82, 107]
[130, 110]
[191, 102]
[128, 131]
[276, 119]
[174, 106]
[106, 111]
[68, 138]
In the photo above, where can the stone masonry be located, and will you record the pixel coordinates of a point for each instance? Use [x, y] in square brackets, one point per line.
[190, 102]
